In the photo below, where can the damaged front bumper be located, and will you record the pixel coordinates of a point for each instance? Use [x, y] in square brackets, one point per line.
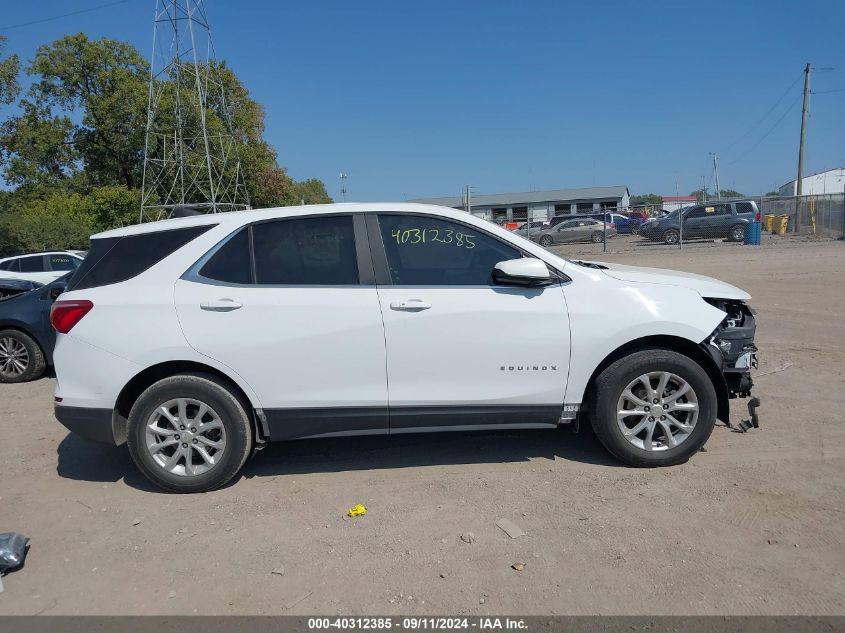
[731, 345]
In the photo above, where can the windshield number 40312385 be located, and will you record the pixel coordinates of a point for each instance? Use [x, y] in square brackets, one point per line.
[423, 236]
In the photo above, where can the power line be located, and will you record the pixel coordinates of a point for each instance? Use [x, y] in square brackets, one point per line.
[771, 129]
[63, 15]
[824, 92]
[765, 116]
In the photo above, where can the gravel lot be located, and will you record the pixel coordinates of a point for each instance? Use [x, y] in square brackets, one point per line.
[754, 525]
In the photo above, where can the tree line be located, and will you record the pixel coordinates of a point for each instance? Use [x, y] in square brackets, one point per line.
[72, 154]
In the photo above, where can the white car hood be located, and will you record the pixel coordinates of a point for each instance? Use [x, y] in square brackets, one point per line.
[705, 286]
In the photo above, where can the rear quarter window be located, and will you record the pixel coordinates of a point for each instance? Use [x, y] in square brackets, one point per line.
[114, 259]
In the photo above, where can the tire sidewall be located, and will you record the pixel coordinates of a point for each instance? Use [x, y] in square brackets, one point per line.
[232, 414]
[613, 381]
[35, 364]
[671, 237]
[597, 238]
[545, 241]
[733, 230]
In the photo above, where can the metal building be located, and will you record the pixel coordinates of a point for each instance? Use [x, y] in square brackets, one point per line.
[538, 205]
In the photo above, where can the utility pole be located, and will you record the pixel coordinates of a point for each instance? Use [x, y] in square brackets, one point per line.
[469, 199]
[703, 189]
[806, 106]
[716, 169]
[187, 161]
[343, 177]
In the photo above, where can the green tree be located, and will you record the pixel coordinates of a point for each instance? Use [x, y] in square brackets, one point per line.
[311, 191]
[9, 67]
[730, 193]
[59, 221]
[647, 199]
[105, 80]
[37, 149]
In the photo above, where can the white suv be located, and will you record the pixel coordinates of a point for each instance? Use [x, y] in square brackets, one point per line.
[197, 340]
[40, 267]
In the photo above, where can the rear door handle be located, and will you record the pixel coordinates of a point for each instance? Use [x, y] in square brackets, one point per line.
[410, 305]
[220, 305]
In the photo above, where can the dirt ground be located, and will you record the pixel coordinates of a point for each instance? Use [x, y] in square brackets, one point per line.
[754, 525]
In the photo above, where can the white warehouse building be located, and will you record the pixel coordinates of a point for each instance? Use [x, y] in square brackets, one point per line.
[822, 183]
[539, 205]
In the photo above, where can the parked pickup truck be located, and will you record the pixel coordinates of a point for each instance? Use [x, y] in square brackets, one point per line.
[710, 220]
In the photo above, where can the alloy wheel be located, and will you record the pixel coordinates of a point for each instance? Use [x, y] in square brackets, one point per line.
[738, 234]
[657, 411]
[185, 437]
[14, 359]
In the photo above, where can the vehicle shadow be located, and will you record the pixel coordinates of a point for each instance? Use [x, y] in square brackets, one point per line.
[426, 449]
[81, 460]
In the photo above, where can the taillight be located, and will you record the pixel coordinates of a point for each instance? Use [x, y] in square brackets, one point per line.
[757, 217]
[65, 314]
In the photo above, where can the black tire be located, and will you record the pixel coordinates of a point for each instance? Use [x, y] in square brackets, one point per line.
[545, 241]
[597, 237]
[616, 377]
[232, 413]
[737, 233]
[34, 359]
[671, 237]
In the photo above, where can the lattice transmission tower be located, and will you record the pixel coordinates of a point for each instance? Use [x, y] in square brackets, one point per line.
[190, 150]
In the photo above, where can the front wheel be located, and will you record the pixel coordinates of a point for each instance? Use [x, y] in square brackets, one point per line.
[654, 408]
[189, 433]
[545, 241]
[21, 359]
[737, 233]
[671, 237]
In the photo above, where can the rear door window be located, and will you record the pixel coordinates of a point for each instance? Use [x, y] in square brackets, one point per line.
[34, 264]
[114, 259]
[744, 207]
[60, 261]
[306, 251]
[231, 263]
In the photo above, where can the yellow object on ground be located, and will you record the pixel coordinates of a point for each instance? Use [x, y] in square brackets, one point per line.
[780, 224]
[357, 510]
[768, 221]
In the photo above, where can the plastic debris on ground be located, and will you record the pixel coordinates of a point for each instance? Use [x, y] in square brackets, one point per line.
[13, 547]
[357, 510]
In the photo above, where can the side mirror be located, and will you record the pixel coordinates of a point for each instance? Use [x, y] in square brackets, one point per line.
[526, 271]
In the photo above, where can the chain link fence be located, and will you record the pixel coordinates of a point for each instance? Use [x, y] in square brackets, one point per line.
[759, 221]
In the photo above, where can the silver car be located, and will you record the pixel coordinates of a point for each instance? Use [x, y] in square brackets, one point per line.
[577, 230]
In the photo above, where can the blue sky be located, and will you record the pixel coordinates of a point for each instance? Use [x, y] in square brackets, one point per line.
[418, 99]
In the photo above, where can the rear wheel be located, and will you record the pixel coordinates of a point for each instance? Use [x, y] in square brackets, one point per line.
[671, 236]
[189, 433]
[545, 241]
[21, 359]
[654, 408]
[597, 237]
[737, 233]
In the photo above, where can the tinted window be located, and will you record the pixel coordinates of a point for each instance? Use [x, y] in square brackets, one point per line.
[718, 209]
[744, 207]
[434, 252]
[231, 262]
[9, 264]
[697, 212]
[114, 259]
[33, 264]
[313, 251]
[59, 261]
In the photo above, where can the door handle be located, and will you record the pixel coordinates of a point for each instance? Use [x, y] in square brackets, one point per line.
[410, 305]
[220, 305]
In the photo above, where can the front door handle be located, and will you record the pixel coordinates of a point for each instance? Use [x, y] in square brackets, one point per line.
[410, 305]
[220, 305]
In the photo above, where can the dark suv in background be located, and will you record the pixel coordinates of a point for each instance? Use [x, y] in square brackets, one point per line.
[709, 220]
